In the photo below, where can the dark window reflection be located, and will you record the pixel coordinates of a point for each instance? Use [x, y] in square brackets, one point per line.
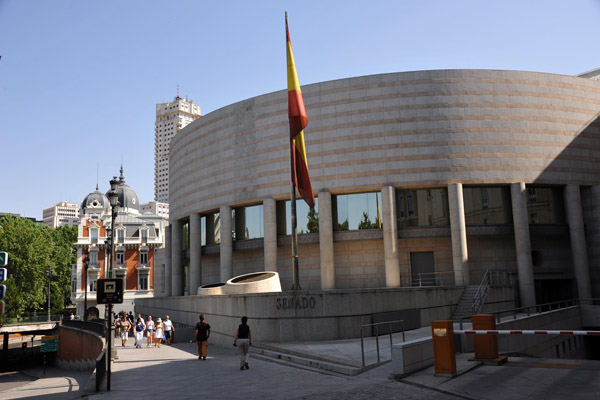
[545, 205]
[248, 222]
[307, 220]
[211, 228]
[356, 211]
[422, 207]
[487, 205]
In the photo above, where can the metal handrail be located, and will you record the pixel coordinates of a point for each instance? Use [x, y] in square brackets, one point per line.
[539, 309]
[428, 279]
[478, 298]
[362, 345]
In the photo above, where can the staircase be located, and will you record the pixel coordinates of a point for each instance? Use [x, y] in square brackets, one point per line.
[304, 360]
[465, 304]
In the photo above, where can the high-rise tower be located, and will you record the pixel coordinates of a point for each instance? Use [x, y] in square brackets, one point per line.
[170, 118]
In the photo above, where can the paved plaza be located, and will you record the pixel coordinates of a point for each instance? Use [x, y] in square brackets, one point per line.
[175, 372]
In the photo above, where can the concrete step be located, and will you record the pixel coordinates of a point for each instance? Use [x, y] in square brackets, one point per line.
[304, 361]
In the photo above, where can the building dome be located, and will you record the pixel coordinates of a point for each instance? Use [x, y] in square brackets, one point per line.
[95, 200]
[128, 199]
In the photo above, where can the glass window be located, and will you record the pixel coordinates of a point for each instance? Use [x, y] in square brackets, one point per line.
[94, 259]
[144, 258]
[307, 220]
[120, 235]
[356, 211]
[248, 222]
[120, 258]
[186, 236]
[144, 236]
[143, 282]
[422, 207]
[211, 229]
[94, 235]
[545, 205]
[487, 205]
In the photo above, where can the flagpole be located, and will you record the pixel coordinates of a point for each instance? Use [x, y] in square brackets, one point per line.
[295, 272]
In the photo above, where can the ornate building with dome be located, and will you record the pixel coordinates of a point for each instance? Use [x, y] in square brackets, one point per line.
[137, 237]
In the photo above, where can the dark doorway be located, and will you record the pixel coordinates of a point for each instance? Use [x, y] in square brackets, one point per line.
[422, 268]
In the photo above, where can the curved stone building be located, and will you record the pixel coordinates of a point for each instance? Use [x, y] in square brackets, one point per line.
[466, 171]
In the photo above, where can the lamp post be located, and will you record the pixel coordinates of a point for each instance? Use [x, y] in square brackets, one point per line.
[86, 264]
[49, 275]
[113, 198]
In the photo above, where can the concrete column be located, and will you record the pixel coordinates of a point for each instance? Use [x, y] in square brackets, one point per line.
[226, 245]
[326, 241]
[176, 258]
[390, 236]
[195, 253]
[518, 194]
[458, 231]
[168, 265]
[270, 241]
[578, 241]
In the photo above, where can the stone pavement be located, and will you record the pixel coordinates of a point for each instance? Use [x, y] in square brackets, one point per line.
[176, 373]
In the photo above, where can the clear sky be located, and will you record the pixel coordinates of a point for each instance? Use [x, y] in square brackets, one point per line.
[79, 80]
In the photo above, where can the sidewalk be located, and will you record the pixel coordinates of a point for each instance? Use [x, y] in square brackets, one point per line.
[175, 372]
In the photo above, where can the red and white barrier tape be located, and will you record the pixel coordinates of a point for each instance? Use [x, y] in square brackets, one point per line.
[521, 332]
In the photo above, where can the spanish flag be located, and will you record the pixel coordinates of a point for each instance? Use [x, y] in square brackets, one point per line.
[298, 120]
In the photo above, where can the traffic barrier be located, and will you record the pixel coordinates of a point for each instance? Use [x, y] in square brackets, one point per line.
[526, 332]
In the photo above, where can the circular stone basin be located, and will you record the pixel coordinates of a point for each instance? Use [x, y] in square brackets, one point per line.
[256, 282]
[211, 289]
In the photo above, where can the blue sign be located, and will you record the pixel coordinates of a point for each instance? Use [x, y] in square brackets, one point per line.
[3, 274]
[2, 291]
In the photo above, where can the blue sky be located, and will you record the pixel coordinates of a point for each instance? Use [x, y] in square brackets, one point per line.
[79, 80]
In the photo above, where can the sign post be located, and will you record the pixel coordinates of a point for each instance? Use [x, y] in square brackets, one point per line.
[109, 291]
[49, 343]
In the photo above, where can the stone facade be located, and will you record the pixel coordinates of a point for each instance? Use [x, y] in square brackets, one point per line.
[449, 129]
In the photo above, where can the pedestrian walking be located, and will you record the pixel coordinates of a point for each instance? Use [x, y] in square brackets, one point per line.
[243, 335]
[140, 327]
[149, 331]
[201, 336]
[159, 332]
[169, 330]
[125, 328]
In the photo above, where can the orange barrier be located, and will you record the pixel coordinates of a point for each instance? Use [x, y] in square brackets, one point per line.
[443, 347]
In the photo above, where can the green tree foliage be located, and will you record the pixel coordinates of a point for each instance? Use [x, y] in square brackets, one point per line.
[31, 249]
[366, 222]
[344, 226]
[313, 221]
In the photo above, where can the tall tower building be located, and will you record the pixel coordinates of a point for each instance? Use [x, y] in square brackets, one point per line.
[170, 118]
[61, 214]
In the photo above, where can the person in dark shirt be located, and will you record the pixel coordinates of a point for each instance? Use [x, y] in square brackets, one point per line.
[202, 333]
[243, 335]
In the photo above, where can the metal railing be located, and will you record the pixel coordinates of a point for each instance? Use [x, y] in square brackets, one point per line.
[428, 279]
[97, 326]
[513, 313]
[375, 327]
[490, 278]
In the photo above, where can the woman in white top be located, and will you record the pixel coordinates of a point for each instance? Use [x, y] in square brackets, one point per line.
[149, 331]
[158, 333]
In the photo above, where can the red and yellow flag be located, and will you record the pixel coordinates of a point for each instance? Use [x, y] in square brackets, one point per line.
[298, 121]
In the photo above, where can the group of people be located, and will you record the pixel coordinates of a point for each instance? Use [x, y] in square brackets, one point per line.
[159, 331]
[155, 332]
[242, 340]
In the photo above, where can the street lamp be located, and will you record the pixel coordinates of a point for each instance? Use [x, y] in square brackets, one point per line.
[113, 198]
[86, 264]
[49, 275]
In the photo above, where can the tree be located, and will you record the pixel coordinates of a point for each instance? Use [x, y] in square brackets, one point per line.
[32, 249]
[344, 226]
[313, 221]
[366, 222]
